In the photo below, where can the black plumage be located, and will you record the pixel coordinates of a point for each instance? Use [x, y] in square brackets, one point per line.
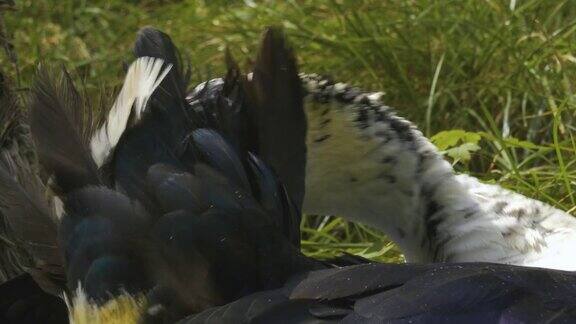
[182, 210]
[410, 293]
[104, 237]
[266, 123]
[263, 113]
[212, 149]
[281, 130]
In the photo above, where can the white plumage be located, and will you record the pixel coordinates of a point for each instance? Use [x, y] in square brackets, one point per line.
[369, 165]
[143, 77]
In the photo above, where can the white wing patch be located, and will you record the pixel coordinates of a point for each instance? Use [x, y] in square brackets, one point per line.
[143, 77]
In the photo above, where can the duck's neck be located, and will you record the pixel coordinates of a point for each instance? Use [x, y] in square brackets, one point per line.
[369, 165]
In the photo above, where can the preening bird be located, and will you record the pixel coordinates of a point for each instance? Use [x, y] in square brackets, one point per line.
[366, 164]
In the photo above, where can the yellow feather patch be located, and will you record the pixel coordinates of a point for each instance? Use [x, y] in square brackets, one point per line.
[122, 309]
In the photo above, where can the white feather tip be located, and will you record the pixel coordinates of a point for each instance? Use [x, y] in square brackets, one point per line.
[143, 77]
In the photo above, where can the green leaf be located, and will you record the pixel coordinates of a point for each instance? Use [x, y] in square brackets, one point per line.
[462, 152]
[457, 143]
[450, 138]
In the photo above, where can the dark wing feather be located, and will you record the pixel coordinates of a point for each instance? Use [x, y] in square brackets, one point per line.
[176, 190]
[61, 128]
[212, 149]
[434, 293]
[103, 234]
[276, 100]
[29, 216]
[264, 116]
[477, 293]
[275, 200]
[354, 280]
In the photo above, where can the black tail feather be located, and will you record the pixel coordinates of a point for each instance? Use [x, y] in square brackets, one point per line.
[276, 97]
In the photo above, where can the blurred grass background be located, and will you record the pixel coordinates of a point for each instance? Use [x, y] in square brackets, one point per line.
[501, 70]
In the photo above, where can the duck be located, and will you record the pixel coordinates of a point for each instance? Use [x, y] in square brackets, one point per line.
[364, 160]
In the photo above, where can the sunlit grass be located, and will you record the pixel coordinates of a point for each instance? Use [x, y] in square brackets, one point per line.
[503, 68]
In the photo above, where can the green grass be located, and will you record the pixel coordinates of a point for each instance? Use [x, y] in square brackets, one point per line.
[504, 69]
